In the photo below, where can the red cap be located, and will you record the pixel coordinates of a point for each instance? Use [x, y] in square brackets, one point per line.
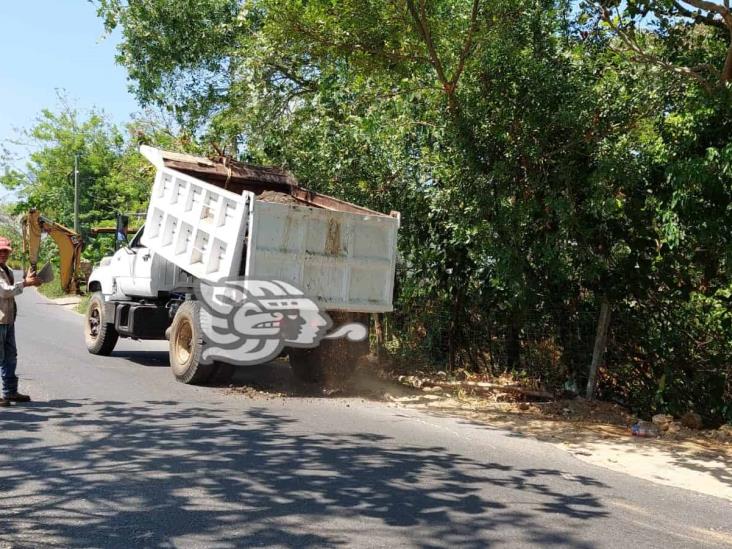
[5, 244]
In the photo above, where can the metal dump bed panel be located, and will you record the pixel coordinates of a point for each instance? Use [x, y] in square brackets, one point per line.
[341, 260]
[197, 226]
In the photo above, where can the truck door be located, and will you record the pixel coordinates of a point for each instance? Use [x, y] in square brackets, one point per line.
[142, 267]
[136, 280]
[122, 265]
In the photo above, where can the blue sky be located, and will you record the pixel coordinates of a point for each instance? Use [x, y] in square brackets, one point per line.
[47, 45]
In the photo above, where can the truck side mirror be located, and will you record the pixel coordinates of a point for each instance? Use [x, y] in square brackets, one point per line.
[120, 235]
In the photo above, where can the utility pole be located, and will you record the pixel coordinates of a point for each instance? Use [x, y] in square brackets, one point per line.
[76, 193]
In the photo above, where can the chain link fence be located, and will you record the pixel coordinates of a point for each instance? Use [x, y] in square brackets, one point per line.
[554, 348]
[549, 348]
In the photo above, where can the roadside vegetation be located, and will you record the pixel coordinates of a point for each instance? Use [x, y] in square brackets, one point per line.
[83, 305]
[52, 289]
[550, 161]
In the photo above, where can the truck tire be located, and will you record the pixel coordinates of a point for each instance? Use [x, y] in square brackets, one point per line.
[186, 346]
[334, 361]
[99, 332]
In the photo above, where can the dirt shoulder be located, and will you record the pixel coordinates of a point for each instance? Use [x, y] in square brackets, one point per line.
[693, 461]
[595, 432]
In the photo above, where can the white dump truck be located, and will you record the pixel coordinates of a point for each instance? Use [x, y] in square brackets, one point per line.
[212, 220]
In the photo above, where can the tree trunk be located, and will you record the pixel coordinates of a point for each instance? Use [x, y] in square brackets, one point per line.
[513, 350]
[600, 342]
[378, 333]
[727, 70]
[453, 330]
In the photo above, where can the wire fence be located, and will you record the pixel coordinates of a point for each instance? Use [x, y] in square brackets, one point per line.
[650, 362]
[548, 347]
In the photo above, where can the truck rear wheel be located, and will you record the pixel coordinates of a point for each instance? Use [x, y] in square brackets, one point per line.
[186, 346]
[334, 361]
[99, 332]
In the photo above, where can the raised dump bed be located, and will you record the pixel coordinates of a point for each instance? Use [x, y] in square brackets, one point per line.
[217, 221]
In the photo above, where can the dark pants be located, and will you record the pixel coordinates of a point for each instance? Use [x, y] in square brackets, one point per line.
[8, 359]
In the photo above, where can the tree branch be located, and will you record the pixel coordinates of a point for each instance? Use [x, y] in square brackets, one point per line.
[649, 58]
[711, 6]
[727, 69]
[468, 44]
[699, 17]
[726, 14]
[449, 85]
[303, 83]
[419, 18]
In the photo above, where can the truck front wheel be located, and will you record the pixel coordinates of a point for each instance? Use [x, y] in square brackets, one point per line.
[186, 346]
[99, 332]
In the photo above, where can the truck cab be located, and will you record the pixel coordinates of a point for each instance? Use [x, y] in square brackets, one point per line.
[136, 272]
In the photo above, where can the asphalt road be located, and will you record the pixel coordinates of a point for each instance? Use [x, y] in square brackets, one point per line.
[115, 453]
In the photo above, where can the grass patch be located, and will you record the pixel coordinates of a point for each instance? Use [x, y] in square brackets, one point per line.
[83, 305]
[53, 289]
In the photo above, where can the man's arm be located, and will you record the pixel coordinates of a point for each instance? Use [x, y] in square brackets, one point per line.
[8, 290]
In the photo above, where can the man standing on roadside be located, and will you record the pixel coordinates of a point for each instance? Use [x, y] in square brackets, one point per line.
[8, 354]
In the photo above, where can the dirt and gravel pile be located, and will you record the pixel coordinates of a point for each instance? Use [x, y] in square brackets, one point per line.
[278, 198]
[505, 396]
[501, 402]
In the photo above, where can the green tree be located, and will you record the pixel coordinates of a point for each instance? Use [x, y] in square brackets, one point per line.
[46, 181]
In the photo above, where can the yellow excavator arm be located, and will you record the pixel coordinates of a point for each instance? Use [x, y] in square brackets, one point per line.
[69, 247]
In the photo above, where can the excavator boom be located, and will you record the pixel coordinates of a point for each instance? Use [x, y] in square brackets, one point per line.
[69, 247]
